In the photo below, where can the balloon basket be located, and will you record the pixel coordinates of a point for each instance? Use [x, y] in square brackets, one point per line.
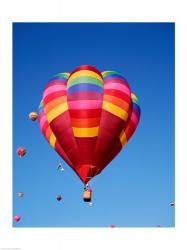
[87, 195]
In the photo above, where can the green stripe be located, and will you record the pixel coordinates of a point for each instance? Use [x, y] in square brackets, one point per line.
[135, 100]
[109, 73]
[62, 75]
[85, 79]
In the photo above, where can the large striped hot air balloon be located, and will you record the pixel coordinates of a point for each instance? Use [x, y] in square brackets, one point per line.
[88, 117]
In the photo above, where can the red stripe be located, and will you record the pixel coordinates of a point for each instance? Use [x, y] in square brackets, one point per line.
[85, 96]
[86, 67]
[85, 123]
[118, 94]
[129, 130]
[52, 96]
[86, 113]
[136, 112]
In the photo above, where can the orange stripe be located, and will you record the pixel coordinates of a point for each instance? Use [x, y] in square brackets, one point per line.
[57, 101]
[116, 101]
[85, 123]
[48, 133]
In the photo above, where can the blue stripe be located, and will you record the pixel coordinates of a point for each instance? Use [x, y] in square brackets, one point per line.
[136, 106]
[85, 87]
[40, 109]
[114, 76]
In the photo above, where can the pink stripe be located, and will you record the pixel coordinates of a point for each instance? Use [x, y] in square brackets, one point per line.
[117, 80]
[85, 95]
[118, 86]
[53, 89]
[42, 120]
[55, 82]
[134, 119]
[85, 104]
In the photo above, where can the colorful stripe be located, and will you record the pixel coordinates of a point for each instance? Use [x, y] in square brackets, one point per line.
[123, 138]
[85, 132]
[56, 111]
[84, 73]
[84, 104]
[53, 89]
[115, 110]
[84, 87]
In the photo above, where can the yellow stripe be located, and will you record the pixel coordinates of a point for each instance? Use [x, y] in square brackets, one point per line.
[85, 132]
[115, 110]
[85, 73]
[52, 140]
[56, 111]
[123, 138]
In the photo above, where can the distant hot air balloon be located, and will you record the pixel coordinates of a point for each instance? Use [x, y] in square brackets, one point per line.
[112, 225]
[59, 197]
[21, 151]
[88, 116]
[60, 167]
[17, 218]
[20, 194]
[33, 116]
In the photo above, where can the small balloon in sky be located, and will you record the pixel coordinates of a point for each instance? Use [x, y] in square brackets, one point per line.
[33, 116]
[112, 225]
[59, 166]
[21, 151]
[172, 204]
[17, 218]
[59, 197]
[20, 194]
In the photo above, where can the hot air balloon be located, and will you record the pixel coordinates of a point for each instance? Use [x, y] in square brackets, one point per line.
[21, 151]
[112, 225]
[88, 116]
[59, 166]
[59, 197]
[20, 194]
[33, 116]
[17, 218]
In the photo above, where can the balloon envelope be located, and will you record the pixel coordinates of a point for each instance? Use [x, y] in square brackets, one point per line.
[20, 194]
[17, 218]
[112, 225]
[21, 151]
[59, 197]
[88, 116]
[33, 116]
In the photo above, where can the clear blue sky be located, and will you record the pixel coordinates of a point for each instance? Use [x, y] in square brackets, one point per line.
[136, 188]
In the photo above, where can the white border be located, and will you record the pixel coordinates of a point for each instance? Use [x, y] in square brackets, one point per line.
[59, 11]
